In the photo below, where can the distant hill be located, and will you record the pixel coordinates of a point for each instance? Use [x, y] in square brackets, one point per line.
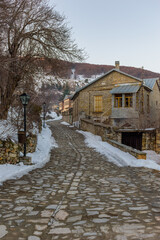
[89, 70]
[76, 75]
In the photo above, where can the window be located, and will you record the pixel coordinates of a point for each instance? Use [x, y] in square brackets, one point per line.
[97, 103]
[128, 100]
[118, 100]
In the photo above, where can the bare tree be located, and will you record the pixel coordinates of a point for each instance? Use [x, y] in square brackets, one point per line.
[30, 30]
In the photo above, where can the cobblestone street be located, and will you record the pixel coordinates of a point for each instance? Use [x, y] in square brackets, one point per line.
[80, 195]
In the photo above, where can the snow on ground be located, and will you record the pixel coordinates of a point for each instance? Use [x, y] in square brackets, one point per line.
[53, 116]
[65, 123]
[119, 157]
[39, 157]
[7, 130]
[153, 155]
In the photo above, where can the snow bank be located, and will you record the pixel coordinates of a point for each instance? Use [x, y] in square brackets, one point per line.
[7, 130]
[39, 157]
[45, 142]
[119, 157]
[65, 123]
[53, 116]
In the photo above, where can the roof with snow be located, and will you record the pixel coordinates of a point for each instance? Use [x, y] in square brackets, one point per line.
[125, 89]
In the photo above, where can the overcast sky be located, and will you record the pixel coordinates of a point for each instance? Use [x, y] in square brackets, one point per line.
[121, 30]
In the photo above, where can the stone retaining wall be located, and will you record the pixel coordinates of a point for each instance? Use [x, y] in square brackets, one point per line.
[150, 137]
[149, 140]
[136, 153]
[10, 151]
[100, 129]
[30, 145]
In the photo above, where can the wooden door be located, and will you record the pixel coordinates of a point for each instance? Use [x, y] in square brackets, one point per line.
[132, 139]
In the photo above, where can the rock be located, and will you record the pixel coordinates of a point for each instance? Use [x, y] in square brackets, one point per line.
[60, 231]
[46, 213]
[33, 238]
[61, 215]
[75, 218]
[3, 231]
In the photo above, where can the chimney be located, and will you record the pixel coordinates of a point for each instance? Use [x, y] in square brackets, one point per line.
[117, 65]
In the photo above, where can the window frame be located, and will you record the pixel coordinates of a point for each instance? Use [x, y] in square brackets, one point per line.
[98, 103]
[118, 100]
[128, 98]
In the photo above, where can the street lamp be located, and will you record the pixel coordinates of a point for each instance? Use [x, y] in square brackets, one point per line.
[24, 99]
[44, 113]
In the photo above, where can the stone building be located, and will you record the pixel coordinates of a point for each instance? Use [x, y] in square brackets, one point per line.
[66, 109]
[61, 106]
[127, 103]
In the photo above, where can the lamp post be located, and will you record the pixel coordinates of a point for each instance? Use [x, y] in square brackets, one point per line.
[24, 99]
[44, 114]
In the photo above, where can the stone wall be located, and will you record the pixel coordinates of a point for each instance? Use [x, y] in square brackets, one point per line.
[67, 116]
[10, 151]
[95, 128]
[100, 129]
[136, 153]
[157, 145]
[150, 138]
[30, 144]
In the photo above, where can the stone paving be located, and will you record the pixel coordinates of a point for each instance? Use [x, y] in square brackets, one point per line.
[80, 195]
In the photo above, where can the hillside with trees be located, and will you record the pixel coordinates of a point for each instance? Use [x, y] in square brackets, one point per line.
[88, 70]
[72, 76]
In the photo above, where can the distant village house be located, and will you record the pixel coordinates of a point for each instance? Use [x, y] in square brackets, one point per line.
[66, 109]
[127, 104]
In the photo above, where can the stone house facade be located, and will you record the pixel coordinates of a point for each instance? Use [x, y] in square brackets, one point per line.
[66, 109]
[119, 100]
[61, 106]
